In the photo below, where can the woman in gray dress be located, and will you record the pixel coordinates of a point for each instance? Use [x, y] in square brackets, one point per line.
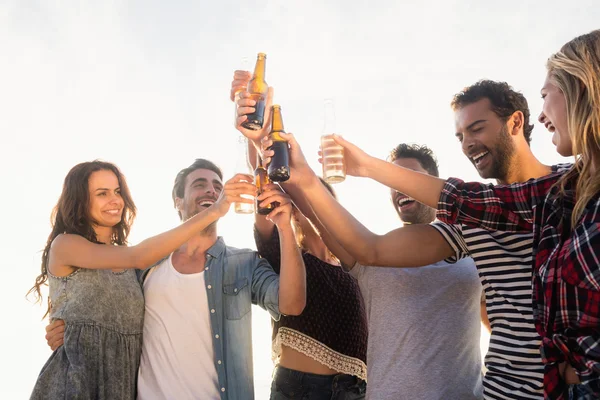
[93, 286]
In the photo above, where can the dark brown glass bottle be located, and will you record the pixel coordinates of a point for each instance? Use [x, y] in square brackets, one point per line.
[279, 167]
[258, 89]
[261, 179]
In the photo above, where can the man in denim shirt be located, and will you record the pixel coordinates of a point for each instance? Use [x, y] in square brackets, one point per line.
[197, 341]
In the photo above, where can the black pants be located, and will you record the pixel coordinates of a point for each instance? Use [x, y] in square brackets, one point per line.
[289, 384]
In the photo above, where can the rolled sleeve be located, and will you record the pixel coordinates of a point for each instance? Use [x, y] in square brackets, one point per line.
[505, 208]
[265, 287]
[452, 234]
[355, 271]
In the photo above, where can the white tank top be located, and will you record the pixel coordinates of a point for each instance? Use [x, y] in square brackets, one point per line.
[177, 352]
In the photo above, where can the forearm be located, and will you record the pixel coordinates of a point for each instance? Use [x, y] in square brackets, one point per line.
[346, 230]
[303, 205]
[422, 187]
[292, 276]
[153, 249]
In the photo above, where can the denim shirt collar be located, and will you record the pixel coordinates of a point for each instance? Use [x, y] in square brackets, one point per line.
[217, 249]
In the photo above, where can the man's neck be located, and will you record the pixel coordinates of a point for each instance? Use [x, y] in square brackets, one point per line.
[524, 166]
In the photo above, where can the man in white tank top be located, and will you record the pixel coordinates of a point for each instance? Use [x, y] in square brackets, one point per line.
[197, 327]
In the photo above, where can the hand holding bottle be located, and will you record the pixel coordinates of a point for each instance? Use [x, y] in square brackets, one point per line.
[301, 174]
[357, 161]
[232, 192]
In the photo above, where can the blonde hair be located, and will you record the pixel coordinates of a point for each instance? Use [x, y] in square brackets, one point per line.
[575, 69]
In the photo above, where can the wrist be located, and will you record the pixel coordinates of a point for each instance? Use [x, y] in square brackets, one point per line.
[370, 166]
[216, 211]
[284, 226]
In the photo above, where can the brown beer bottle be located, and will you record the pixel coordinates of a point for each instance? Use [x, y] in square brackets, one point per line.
[261, 179]
[279, 167]
[258, 89]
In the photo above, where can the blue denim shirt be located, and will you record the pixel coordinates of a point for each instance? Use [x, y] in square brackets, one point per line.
[235, 279]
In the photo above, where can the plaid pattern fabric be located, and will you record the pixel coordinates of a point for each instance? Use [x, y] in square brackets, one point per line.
[566, 270]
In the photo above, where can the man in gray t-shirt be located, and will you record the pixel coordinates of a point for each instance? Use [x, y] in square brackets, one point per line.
[424, 324]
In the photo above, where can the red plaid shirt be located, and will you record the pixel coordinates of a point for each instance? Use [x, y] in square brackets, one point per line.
[566, 270]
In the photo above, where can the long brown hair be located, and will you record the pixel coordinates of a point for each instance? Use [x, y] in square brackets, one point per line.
[72, 214]
[576, 71]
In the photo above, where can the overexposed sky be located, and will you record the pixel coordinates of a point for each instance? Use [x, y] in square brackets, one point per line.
[145, 84]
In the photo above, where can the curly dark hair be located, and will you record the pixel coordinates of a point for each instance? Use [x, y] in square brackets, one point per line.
[420, 152]
[504, 99]
[72, 214]
[179, 185]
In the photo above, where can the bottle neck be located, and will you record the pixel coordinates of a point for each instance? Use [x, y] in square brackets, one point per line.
[277, 122]
[260, 68]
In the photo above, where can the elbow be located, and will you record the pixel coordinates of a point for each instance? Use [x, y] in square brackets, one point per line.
[367, 255]
[294, 308]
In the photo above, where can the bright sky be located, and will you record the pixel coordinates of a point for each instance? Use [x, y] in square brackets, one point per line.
[145, 84]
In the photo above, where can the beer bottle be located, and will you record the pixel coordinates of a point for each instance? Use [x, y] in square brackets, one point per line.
[258, 89]
[261, 179]
[279, 167]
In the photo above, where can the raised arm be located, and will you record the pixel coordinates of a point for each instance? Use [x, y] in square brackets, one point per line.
[394, 249]
[506, 208]
[347, 259]
[69, 251]
[292, 274]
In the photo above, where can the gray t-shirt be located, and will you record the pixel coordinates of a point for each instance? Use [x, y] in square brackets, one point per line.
[424, 331]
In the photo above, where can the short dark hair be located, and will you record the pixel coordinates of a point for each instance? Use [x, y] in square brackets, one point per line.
[421, 153]
[504, 99]
[179, 185]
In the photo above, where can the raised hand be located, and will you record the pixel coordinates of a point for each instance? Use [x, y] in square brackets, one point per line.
[232, 192]
[239, 82]
[281, 215]
[245, 106]
[301, 173]
[357, 161]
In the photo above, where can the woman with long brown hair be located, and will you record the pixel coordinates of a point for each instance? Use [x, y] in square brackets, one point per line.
[93, 286]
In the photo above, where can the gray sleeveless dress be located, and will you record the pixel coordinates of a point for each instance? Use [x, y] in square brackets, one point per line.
[104, 315]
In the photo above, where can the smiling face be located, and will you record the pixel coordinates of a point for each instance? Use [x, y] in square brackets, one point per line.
[202, 189]
[554, 117]
[485, 139]
[409, 210]
[105, 204]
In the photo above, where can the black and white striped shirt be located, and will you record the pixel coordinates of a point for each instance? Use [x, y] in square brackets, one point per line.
[504, 264]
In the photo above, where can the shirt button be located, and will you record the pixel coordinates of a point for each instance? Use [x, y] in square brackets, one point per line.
[206, 268]
[212, 311]
[219, 362]
[235, 290]
[217, 335]
[209, 286]
[222, 389]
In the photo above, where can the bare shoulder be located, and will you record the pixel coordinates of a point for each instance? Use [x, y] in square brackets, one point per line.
[63, 243]
[66, 240]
